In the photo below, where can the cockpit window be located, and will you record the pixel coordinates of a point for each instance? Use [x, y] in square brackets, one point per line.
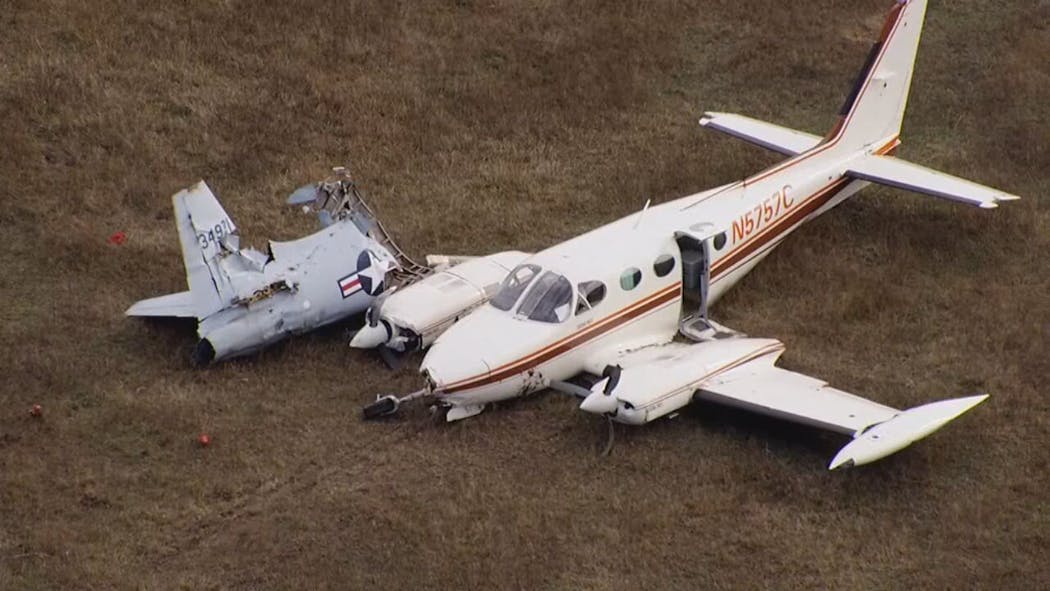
[513, 285]
[549, 299]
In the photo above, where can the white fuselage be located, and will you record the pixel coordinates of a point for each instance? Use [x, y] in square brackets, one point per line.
[496, 354]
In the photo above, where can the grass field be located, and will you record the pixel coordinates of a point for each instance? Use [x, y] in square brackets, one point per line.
[482, 126]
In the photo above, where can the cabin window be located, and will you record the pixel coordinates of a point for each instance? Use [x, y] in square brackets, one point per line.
[720, 241]
[549, 299]
[590, 293]
[513, 286]
[664, 264]
[630, 279]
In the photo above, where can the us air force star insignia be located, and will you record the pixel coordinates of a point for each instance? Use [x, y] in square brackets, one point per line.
[370, 274]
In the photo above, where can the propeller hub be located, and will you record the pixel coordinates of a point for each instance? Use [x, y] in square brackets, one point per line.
[599, 403]
[370, 337]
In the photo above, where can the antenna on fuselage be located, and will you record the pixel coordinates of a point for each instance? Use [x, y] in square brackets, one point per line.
[641, 213]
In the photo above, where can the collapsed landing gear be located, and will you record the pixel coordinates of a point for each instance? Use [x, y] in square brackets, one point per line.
[385, 406]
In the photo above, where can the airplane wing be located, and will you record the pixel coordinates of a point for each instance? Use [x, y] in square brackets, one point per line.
[796, 397]
[656, 381]
[177, 305]
[891, 171]
[772, 137]
[878, 430]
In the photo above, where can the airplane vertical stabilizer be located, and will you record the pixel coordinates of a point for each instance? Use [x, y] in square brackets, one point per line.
[204, 232]
[874, 109]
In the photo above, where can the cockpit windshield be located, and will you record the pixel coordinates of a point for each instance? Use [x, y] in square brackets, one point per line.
[549, 300]
[513, 286]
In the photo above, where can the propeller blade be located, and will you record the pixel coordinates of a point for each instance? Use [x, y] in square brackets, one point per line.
[392, 358]
[375, 312]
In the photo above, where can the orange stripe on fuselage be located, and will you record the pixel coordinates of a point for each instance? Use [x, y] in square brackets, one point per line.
[635, 310]
[804, 208]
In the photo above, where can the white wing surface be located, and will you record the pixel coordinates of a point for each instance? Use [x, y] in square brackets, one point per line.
[770, 390]
[887, 170]
[646, 384]
[772, 137]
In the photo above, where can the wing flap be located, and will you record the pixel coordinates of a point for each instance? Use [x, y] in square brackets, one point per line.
[763, 388]
[767, 135]
[893, 172]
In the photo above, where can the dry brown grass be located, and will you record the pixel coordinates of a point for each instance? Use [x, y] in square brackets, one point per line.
[478, 126]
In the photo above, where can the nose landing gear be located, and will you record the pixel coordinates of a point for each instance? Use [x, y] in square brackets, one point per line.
[385, 406]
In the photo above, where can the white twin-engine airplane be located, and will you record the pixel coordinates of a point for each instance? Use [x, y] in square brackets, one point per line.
[611, 302]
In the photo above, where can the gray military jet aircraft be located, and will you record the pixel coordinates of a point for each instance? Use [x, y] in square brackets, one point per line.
[245, 300]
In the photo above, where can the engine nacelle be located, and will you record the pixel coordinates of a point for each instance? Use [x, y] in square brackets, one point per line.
[412, 318]
[238, 333]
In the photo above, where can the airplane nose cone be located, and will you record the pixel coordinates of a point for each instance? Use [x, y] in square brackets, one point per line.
[447, 368]
[599, 403]
[370, 337]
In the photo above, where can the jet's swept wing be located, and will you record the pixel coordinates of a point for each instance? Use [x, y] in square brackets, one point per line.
[656, 381]
[767, 135]
[887, 170]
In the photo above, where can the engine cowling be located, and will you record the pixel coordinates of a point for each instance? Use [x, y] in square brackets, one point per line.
[412, 318]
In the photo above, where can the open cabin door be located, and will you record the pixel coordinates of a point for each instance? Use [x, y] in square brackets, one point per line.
[696, 270]
[695, 246]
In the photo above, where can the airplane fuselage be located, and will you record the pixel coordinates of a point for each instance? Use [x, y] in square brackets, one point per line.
[307, 283]
[649, 265]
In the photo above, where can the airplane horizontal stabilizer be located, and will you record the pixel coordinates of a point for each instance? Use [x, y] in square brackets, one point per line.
[891, 171]
[773, 137]
[174, 305]
[901, 431]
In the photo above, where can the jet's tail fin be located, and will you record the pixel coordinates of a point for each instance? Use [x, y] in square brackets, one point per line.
[205, 233]
[874, 108]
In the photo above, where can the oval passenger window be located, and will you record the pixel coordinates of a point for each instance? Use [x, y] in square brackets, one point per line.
[630, 279]
[664, 264]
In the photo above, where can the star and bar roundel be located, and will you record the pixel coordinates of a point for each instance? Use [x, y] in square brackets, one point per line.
[367, 278]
